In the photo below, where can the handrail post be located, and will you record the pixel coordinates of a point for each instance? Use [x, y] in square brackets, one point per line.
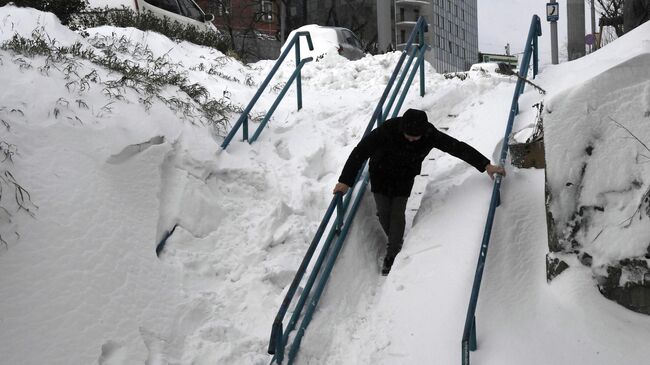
[472, 336]
[340, 212]
[298, 81]
[245, 128]
[275, 345]
[422, 44]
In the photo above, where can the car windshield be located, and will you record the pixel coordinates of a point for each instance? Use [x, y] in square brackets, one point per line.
[190, 10]
[352, 39]
[169, 5]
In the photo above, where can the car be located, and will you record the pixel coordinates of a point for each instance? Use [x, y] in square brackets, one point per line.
[186, 12]
[328, 40]
[485, 66]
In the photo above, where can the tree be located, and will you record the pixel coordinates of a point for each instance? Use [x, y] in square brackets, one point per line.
[611, 9]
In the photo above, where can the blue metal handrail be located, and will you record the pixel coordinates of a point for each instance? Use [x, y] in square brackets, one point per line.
[340, 227]
[468, 342]
[243, 118]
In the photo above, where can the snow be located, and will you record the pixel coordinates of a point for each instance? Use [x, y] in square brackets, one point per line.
[607, 169]
[80, 282]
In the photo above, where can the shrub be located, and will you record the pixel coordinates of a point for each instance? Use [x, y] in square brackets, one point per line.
[126, 17]
[64, 9]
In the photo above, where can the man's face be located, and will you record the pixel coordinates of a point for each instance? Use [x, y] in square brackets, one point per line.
[411, 138]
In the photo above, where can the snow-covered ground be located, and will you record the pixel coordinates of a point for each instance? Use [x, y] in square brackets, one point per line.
[108, 175]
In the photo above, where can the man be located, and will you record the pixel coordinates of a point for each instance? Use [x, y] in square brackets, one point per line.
[396, 150]
[635, 13]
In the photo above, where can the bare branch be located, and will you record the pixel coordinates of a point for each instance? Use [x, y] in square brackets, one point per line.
[631, 134]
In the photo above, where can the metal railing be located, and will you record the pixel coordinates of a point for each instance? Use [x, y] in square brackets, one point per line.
[322, 269]
[468, 342]
[243, 118]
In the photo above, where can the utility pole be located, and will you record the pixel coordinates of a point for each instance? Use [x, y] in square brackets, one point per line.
[593, 22]
[384, 22]
[576, 28]
[283, 20]
[553, 15]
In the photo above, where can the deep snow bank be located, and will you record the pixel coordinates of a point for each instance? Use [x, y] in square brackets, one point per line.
[596, 136]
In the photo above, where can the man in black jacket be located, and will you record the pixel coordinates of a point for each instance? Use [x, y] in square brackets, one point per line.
[396, 150]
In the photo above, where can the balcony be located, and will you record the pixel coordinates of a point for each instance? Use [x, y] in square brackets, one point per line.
[412, 3]
[406, 23]
[400, 46]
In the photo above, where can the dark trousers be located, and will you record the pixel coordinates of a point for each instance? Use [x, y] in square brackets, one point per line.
[391, 212]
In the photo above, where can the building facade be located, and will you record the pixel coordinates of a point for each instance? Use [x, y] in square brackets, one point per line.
[382, 25]
[452, 35]
[386, 25]
[244, 15]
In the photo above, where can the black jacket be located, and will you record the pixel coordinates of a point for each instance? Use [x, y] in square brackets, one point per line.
[394, 161]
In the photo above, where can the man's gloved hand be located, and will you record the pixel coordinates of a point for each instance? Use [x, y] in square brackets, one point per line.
[340, 188]
[603, 21]
[492, 169]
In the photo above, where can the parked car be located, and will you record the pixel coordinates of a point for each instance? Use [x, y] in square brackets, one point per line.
[183, 11]
[329, 40]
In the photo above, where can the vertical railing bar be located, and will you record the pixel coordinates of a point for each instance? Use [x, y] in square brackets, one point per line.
[245, 128]
[421, 65]
[299, 81]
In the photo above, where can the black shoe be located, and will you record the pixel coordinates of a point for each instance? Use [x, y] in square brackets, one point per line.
[388, 263]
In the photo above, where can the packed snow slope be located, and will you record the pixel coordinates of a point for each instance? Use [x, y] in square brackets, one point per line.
[418, 315]
[111, 163]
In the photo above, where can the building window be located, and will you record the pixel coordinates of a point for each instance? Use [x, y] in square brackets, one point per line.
[224, 7]
[462, 14]
[416, 12]
[451, 50]
[403, 35]
[266, 11]
[401, 14]
[463, 33]
[449, 22]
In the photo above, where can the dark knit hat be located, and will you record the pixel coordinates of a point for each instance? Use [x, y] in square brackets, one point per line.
[414, 122]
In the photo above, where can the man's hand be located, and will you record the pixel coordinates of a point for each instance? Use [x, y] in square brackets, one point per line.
[492, 169]
[604, 21]
[340, 188]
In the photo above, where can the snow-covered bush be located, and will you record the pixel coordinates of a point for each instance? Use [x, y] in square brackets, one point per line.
[64, 9]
